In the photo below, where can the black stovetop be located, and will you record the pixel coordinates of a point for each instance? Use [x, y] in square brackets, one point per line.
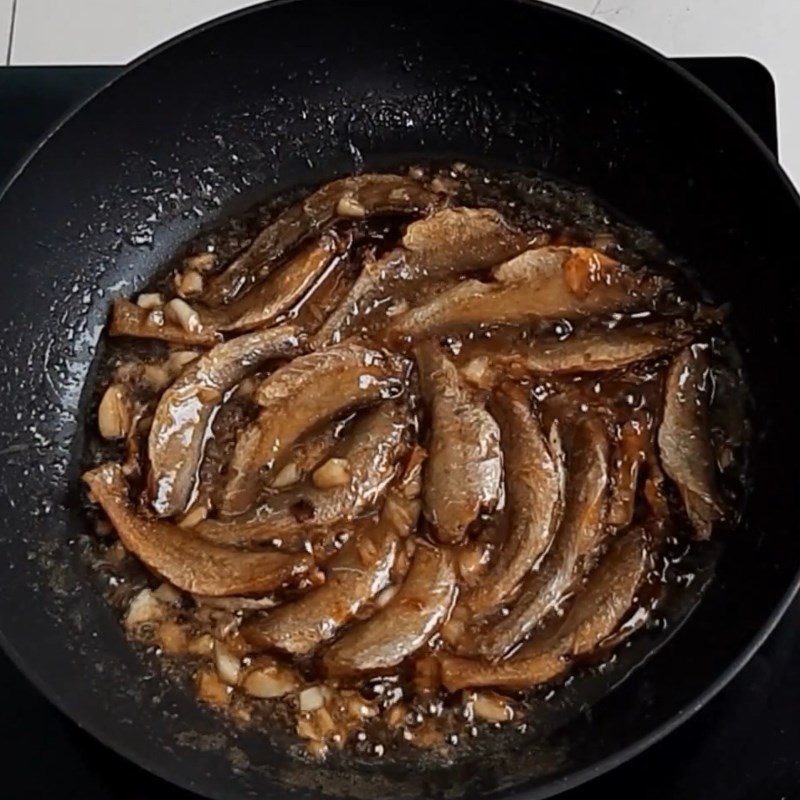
[744, 745]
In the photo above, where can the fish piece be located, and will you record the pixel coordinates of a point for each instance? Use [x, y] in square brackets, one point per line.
[464, 471]
[546, 293]
[128, 319]
[325, 296]
[581, 267]
[281, 291]
[404, 624]
[372, 194]
[584, 351]
[180, 422]
[535, 492]
[608, 595]
[684, 438]
[454, 241]
[277, 295]
[595, 614]
[181, 557]
[296, 398]
[355, 575]
[450, 242]
[373, 450]
[372, 289]
[532, 263]
[584, 514]
[515, 673]
[630, 455]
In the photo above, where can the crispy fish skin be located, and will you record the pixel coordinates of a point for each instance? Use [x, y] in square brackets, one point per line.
[310, 390]
[128, 319]
[373, 449]
[587, 351]
[184, 560]
[464, 471]
[596, 613]
[180, 422]
[684, 441]
[356, 574]
[375, 194]
[528, 293]
[535, 493]
[450, 242]
[584, 515]
[404, 624]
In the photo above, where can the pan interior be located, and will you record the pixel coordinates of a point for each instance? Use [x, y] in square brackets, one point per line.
[292, 95]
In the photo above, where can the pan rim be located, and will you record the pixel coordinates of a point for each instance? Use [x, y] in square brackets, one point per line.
[553, 786]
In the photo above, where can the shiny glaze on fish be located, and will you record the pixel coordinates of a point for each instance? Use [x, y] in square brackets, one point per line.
[180, 423]
[304, 394]
[405, 624]
[372, 449]
[535, 494]
[353, 577]
[464, 471]
[181, 557]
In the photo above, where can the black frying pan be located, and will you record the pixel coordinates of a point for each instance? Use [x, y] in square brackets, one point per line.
[295, 93]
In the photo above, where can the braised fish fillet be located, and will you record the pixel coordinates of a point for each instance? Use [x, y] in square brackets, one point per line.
[180, 422]
[281, 291]
[298, 397]
[353, 576]
[684, 438]
[464, 471]
[583, 518]
[529, 294]
[402, 626]
[598, 610]
[354, 197]
[450, 242]
[583, 351]
[184, 560]
[372, 451]
[535, 495]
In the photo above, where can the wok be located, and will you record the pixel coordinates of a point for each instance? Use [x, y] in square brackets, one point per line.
[295, 93]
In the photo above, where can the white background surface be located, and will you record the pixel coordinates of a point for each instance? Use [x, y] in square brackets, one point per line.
[115, 31]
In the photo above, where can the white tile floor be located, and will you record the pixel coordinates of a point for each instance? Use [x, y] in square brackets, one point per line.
[115, 31]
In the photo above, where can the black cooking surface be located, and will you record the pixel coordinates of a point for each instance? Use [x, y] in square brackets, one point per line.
[744, 745]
